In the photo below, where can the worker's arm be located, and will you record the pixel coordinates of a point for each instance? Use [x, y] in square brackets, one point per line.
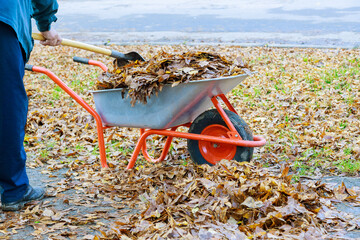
[44, 13]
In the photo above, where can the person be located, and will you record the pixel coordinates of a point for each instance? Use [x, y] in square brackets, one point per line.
[15, 47]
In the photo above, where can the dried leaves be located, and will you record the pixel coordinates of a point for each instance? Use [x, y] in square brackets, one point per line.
[142, 79]
[228, 201]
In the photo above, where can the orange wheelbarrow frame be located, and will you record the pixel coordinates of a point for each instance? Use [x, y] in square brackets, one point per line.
[234, 137]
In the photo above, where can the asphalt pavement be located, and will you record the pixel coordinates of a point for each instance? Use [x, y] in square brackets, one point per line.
[303, 23]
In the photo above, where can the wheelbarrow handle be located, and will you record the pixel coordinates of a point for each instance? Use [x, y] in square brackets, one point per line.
[90, 62]
[81, 60]
[84, 46]
[29, 67]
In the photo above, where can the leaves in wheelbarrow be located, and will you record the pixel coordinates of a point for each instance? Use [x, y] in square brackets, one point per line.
[142, 79]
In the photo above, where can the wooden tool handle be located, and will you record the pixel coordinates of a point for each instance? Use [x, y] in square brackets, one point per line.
[75, 44]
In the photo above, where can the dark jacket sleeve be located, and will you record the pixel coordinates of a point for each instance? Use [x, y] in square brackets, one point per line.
[44, 13]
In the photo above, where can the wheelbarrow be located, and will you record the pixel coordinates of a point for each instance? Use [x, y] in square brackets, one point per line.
[213, 134]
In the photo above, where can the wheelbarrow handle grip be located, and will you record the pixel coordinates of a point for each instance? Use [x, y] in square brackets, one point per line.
[90, 62]
[29, 67]
[81, 60]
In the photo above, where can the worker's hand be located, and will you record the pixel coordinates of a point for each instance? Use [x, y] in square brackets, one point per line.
[52, 38]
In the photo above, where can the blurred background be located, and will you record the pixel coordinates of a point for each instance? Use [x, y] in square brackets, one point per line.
[318, 23]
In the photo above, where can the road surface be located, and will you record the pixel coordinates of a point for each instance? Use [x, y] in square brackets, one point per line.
[319, 23]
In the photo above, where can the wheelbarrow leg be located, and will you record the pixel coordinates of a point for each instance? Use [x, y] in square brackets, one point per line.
[101, 142]
[141, 145]
[164, 152]
[137, 149]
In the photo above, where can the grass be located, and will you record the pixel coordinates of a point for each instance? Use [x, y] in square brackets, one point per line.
[44, 154]
[56, 93]
[303, 169]
[348, 165]
[326, 80]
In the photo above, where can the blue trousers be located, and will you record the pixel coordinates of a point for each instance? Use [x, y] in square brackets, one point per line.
[13, 114]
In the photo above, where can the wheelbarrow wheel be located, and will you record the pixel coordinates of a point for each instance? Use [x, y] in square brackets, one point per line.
[211, 123]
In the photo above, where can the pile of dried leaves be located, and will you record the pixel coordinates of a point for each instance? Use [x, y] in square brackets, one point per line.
[228, 201]
[142, 79]
[168, 201]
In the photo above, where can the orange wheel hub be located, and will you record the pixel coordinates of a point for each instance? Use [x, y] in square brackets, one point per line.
[214, 152]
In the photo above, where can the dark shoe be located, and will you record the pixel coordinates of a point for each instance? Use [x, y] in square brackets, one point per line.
[31, 194]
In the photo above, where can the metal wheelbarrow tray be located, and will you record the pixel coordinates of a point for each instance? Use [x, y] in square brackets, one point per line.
[173, 106]
[213, 135]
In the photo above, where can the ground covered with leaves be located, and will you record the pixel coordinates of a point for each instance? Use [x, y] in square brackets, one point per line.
[305, 102]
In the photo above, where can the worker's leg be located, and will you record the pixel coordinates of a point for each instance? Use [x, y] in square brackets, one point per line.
[13, 113]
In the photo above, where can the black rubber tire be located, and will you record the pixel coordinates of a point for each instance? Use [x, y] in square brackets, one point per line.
[210, 117]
